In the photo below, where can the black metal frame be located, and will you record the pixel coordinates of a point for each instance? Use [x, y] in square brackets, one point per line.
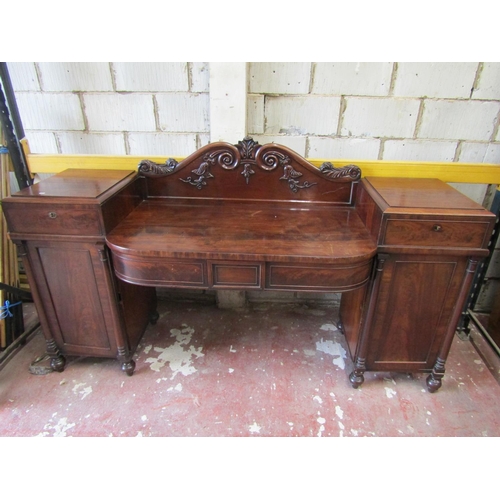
[13, 128]
[468, 315]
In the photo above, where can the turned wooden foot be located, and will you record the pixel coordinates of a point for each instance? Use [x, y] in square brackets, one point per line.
[128, 367]
[433, 384]
[128, 364]
[357, 376]
[436, 376]
[153, 317]
[57, 360]
[58, 363]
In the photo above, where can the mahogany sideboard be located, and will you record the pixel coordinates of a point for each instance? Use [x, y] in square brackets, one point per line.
[97, 243]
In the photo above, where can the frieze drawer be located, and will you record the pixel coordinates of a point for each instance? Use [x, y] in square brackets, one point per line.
[317, 278]
[231, 275]
[436, 233]
[162, 272]
[54, 219]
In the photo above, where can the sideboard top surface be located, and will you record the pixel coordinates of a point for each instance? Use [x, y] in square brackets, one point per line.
[421, 194]
[76, 183]
[249, 231]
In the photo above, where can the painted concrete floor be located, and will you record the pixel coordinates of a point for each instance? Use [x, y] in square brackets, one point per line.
[273, 370]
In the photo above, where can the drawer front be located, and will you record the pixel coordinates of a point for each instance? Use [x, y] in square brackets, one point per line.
[161, 272]
[233, 275]
[436, 233]
[316, 278]
[54, 219]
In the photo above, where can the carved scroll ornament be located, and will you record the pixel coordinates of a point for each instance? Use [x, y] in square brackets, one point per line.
[353, 172]
[247, 155]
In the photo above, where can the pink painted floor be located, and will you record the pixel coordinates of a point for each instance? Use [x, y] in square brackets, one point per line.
[274, 370]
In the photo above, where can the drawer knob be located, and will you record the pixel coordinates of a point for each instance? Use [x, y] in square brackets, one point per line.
[437, 228]
[52, 215]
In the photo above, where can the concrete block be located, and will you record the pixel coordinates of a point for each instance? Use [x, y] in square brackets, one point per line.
[475, 192]
[453, 119]
[255, 114]
[92, 143]
[75, 76]
[302, 115]
[492, 153]
[184, 112]
[43, 111]
[340, 147]
[259, 296]
[151, 76]
[295, 142]
[231, 299]
[318, 299]
[379, 117]
[418, 150]
[203, 140]
[479, 152]
[437, 79]
[228, 101]
[279, 77]
[120, 112]
[351, 78]
[488, 86]
[42, 142]
[200, 76]
[23, 76]
[162, 144]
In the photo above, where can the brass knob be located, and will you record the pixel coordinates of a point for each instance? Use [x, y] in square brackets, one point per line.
[52, 215]
[437, 228]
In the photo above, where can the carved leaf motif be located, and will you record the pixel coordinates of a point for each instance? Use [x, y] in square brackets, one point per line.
[247, 172]
[202, 169]
[247, 147]
[149, 167]
[290, 173]
[351, 171]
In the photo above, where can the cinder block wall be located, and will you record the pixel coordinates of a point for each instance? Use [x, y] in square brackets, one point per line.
[113, 108]
[389, 111]
[386, 111]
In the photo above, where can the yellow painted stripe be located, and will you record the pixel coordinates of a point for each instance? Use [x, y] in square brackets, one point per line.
[482, 173]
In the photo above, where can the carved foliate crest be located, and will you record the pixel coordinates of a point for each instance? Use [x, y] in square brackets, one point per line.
[246, 156]
[247, 148]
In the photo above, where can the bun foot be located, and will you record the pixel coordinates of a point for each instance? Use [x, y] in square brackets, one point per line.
[433, 384]
[356, 379]
[437, 374]
[128, 367]
[58, 363]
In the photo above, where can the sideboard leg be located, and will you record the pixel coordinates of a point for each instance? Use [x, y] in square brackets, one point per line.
[57, 360]
[340, 326]
[437, 374]
[154, 317]
[128, 364]
[357, 375]
[128, 367]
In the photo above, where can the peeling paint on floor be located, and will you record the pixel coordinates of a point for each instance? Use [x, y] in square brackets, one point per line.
[179, 359]
[333, 349]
